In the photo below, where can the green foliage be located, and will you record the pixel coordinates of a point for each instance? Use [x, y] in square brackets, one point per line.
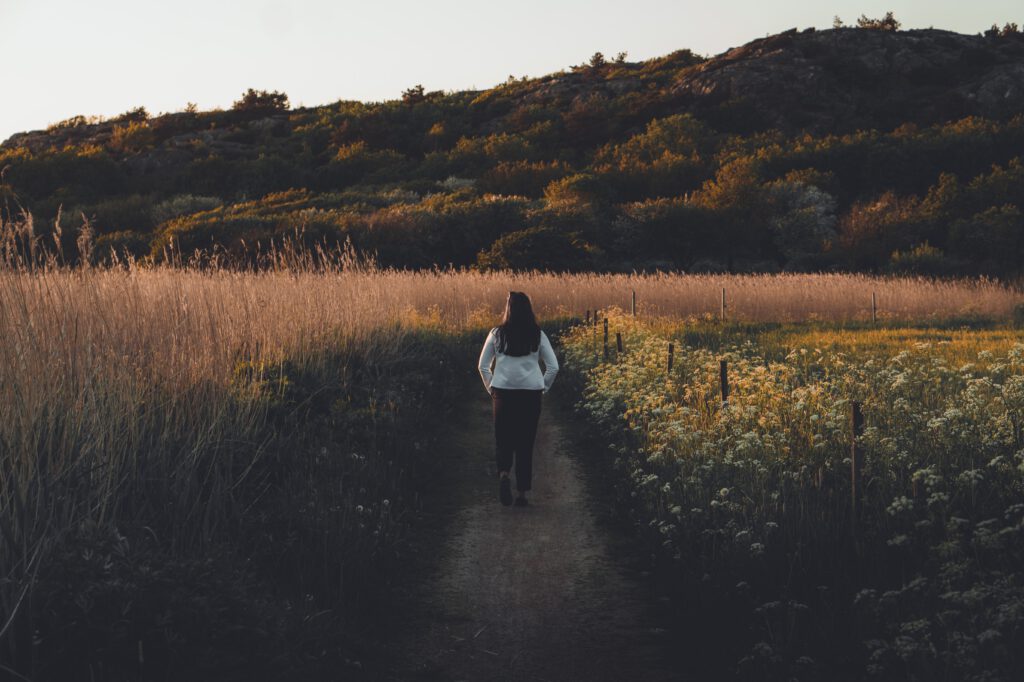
[180, 205]
[579, 188]
[261, 101]
[994, 238]
[536, 248]
[131, 212]
[119, 246]
[664, 234]
[922, 259]
[886, 23]
[136, 136]
[523, 178]
[136, 115]
[679, 135]
[304, 494]
[1009, 29]
[920, 583]
[413, 95]
[589, 147]
[805, 221]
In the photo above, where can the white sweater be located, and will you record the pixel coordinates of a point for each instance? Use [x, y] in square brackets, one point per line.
[516, 372]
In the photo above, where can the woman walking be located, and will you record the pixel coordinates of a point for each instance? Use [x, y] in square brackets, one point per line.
[516, 348]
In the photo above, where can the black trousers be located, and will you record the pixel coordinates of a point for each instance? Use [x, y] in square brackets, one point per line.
[516, 413]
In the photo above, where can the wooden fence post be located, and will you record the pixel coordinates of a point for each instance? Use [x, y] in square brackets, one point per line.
[632, 304]
[618, 341]
[723, 375]
[723, 304]
[606, 338]
[588, 316]
[874, 308]
[671, 350]
[856, 458]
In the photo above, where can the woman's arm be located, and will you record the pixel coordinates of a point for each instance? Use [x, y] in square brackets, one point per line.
[486, 357]
[547, 354]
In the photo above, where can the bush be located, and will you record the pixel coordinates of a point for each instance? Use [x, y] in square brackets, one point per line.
[182, 204]
[886, 23]
[923, 259]
[261, 101]
[522, 178]
[131, 212]
[992, 238]
[121, 245]
[536, 248]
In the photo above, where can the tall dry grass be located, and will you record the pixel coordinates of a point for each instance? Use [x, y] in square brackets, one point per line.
[124, 399]
[119, 386]
[462, 296]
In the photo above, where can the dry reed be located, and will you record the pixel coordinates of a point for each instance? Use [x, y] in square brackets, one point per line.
[115, 384]
[461, 297]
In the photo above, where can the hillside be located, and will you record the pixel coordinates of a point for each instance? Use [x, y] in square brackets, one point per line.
[841, 149]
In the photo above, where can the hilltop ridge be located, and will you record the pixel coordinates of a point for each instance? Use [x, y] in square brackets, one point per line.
[834, 80]
[580, 160]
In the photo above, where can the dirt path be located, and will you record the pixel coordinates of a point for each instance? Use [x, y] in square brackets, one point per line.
[527, 593]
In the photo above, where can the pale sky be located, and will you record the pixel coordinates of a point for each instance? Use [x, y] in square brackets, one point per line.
[103, 57]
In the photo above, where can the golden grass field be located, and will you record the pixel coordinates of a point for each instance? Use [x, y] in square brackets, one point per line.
[64, 328]
[118, 385]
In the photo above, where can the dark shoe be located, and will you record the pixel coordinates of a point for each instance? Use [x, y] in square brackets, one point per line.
[505, 491]
[521, 501]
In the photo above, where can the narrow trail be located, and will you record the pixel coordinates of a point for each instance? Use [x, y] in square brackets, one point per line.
[527, 593]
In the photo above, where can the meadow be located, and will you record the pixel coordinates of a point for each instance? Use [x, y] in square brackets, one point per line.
[207, 469]
[786, 562]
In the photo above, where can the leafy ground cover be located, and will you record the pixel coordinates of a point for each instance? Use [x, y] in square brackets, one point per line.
[749, 505]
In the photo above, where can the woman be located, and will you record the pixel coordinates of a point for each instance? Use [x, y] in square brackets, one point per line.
[517, 348]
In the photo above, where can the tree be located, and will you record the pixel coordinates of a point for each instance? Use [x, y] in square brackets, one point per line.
[620, 58]
[413, 95]
[804, 219]
[597, 61]
[922, 259]
[837, 22]
[679, 134]
[739, 202]
[579, 188]
[261, 100]
[541, 248]
[886, 23]
[991, 237]
[1009, 29]
[137, 114]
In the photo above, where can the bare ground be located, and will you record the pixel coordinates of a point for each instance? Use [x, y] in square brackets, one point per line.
[523, 593]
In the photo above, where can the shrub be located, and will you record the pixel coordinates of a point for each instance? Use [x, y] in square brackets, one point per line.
[120, 245]
[536, 248]
[994, 237]
[923, 259]
[413, 95]
[133, 137]
[261, 101]
[182, 204]
[584, 188]
[886, 23]
[523, 178]
[130, 212]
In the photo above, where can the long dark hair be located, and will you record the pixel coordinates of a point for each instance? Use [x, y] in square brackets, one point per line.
[519, 333]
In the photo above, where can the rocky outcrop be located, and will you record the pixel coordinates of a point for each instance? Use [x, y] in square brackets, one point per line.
[829, 81]
[837, 80]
